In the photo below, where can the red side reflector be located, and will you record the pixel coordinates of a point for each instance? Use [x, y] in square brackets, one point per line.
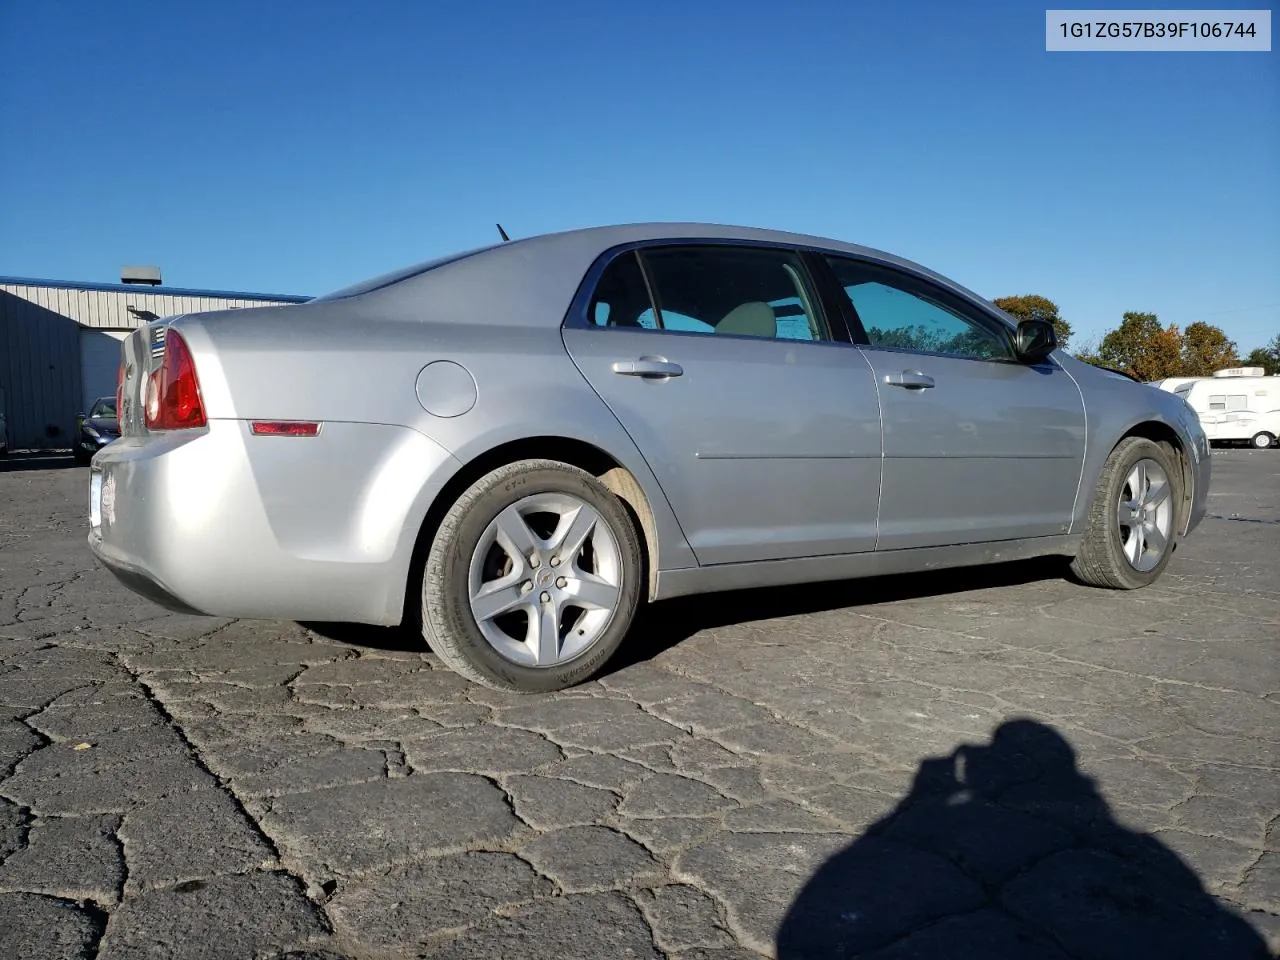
[283, 428]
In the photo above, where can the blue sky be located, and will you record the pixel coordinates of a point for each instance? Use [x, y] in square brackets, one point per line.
[294, 148]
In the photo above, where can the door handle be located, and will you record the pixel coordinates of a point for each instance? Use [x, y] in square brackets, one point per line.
[911, 379]
[647, 367]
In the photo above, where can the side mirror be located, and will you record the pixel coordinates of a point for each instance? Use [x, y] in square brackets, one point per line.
[1035, 340]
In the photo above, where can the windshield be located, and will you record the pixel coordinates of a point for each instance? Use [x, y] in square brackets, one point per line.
[105, 408]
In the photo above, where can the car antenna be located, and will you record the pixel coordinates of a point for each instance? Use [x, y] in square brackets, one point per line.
[502, 233]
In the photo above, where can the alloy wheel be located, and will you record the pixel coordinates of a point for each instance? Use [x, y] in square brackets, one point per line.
[1145, 515]
[545, 579]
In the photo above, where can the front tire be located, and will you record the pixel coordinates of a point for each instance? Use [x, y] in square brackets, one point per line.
[1262, 440]
[1133, 519]
[533, 578]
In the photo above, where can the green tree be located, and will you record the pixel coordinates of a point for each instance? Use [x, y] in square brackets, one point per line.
[1143, 348]
[1267, 357]
[968, 343]
[1205, 348]
[1035, 307]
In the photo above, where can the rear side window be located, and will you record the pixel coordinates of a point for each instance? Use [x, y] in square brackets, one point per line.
[1218, 401]
[735, 291]
[621, 298]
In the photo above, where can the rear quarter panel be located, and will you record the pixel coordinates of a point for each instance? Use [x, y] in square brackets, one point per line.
[358, 361]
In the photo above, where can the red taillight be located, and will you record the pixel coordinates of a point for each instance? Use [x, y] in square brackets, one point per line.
[173, 391]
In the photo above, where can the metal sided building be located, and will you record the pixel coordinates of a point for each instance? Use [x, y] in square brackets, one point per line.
[60, 344]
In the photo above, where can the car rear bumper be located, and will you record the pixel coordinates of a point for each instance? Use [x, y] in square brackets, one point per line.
[224, 523]
[137, 578]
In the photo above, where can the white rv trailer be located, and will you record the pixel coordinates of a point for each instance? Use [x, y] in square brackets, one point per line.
[1235, 404]
[1171, 384]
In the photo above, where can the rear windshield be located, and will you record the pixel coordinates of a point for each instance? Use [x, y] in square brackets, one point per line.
[396, 276]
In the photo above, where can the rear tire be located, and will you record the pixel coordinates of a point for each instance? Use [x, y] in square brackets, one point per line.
[1262, 440]
[1134, 517]
[533, 578]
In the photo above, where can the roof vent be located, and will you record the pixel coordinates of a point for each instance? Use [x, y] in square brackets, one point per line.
[144, 275]
[1241, 372]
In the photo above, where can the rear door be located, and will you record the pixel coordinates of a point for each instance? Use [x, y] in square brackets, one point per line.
[762, 427]
[978, 446]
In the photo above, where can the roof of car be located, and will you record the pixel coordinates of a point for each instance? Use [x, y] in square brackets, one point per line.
[531, 281]
[577, 247]
[589, 242]
[607, 236]
[604, 237]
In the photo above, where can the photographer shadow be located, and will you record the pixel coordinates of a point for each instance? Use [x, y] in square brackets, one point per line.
[1008, 852]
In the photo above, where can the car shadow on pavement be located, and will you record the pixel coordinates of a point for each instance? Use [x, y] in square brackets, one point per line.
[1004, 851]
[669, 623]
[401, 639]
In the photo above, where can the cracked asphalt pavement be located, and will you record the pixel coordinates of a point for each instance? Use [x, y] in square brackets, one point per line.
[996, 763]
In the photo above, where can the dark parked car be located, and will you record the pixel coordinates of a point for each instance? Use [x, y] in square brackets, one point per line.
[96, 429]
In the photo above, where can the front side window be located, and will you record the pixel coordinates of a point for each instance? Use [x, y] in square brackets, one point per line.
[1218, 401]
[902, 313]
[733, 290]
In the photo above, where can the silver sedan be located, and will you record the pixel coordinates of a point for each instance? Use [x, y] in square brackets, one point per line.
[512, 448]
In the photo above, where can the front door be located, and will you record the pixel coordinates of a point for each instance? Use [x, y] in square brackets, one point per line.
[763, 431]
[977, 445]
